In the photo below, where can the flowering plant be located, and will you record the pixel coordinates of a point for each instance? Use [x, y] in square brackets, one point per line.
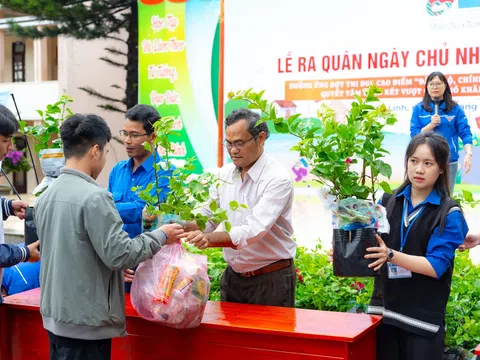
[344, 156]
[15, 161]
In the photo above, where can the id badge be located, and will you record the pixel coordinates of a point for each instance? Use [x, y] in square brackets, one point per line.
[398, 272]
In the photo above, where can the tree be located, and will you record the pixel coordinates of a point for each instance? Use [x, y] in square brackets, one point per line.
[89, 20]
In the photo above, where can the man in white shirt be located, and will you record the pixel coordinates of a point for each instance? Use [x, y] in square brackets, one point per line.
[259, 249]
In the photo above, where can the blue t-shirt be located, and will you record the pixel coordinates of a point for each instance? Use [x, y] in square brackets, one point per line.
[128, 204]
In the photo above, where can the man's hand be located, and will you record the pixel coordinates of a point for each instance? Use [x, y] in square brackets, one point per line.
[174, 233]
[128, 275]
[19, 208]
[198, 239]
[470, 241]
[34, 253]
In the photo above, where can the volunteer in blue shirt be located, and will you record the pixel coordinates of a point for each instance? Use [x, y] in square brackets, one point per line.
[415, 259]
[450, 121]
[136, 171]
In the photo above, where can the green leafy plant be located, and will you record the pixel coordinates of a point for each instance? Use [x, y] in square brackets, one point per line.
[46, 134]
[334, 149]
[188, 192]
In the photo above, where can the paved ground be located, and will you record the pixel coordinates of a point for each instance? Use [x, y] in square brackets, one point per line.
[312, 222]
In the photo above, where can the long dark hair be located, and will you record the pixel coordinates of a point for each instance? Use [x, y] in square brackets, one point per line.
[447, 95]
[441, 153]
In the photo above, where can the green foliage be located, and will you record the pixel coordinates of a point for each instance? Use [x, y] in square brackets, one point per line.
[333, 149]
[317, 288]
[463, 309]
[466, 198]
[188, 192]
[49, 128]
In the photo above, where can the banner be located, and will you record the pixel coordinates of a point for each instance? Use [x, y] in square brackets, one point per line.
[178, 72]
[307, 53]
[4, 98]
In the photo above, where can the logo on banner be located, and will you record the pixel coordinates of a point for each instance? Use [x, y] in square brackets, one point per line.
[438, 7]
[300, 169]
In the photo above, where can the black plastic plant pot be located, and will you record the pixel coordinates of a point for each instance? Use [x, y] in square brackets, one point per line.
[349, 250]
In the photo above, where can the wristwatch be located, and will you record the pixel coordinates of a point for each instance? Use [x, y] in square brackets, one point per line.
[390, 255]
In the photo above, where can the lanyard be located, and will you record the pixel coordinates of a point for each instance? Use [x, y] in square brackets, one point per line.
[407, 222]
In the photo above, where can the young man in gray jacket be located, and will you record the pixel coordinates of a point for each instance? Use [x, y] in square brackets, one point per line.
[84, 248]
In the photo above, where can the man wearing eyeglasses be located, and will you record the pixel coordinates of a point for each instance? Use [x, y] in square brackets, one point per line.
[258, 249]
[136, 171]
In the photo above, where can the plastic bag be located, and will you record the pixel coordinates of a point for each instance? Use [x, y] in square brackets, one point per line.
[172, 288]
[151, 222]
[51, 162]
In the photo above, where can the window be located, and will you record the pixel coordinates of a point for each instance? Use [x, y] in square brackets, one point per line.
[18, 61]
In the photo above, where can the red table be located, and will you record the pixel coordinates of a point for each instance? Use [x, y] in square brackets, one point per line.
[228, 330]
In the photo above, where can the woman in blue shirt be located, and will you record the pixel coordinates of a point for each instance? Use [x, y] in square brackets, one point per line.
[439, 113]
[427, 226]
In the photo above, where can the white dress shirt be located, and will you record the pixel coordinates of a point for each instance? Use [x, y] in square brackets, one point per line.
[263, 232]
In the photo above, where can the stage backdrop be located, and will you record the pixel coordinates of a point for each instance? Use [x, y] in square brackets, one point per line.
[307, 52]
[178, 71]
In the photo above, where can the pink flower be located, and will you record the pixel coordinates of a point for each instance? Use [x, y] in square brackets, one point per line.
[300, 278]
[296, 270]
[348, 161]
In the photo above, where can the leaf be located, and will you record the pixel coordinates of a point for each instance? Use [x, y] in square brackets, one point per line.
[467, 195]
[228, 226]
[391, 121]
[282, 128]
[233, 205]
[244, 206]
[292, 118]
[213, 206]
[386, 187]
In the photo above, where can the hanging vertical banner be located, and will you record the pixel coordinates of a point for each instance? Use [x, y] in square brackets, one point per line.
[178, 72]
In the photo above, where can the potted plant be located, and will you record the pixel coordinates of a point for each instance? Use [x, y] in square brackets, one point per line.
[15, 161]
[48, 143]
[347, 158]
[188, 192]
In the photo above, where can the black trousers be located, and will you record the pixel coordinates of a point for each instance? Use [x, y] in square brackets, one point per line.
[62, 348]
[394, 343]
[275, 289]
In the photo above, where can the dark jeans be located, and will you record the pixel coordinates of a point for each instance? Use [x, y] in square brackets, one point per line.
[394, 343]
[276, 288]
[62, 348]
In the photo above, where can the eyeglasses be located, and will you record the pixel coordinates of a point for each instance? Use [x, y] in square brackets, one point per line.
[237, 144]
[134, 136]
[435, 85]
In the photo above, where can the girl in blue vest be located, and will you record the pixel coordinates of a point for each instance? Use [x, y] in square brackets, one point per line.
[416, 258]
[439, 113]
